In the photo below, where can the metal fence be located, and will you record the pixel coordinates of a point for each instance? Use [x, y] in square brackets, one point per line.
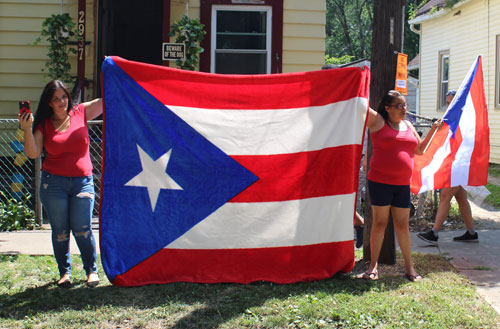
[19, 175]
[17, 171]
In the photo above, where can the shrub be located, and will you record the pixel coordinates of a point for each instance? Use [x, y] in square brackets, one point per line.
[16, 215]
[191, 33]
[57, 30]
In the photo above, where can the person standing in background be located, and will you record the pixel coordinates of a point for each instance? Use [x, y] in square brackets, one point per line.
[445, 196]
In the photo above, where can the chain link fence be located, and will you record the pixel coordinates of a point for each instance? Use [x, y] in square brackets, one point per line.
[19, 175]
[17, 171]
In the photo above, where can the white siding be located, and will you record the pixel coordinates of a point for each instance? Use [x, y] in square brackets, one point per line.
[466, 32]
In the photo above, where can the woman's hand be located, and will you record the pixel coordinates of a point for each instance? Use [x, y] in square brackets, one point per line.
[26, 121]
[437, 124]
[422, 147]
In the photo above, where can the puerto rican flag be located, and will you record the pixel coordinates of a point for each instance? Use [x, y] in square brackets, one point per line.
[460, 150]
[229, 178]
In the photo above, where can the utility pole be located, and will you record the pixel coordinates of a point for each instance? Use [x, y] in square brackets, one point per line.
[387, 41]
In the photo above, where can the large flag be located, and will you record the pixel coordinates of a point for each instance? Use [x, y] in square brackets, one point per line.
[228, 178]
[460, 150]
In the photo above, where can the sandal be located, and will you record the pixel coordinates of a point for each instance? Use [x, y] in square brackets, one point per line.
[370, 276]
[413, 278]
[64, 281]
[93, 279]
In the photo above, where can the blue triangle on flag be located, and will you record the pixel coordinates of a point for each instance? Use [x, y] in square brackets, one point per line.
[454, 112]
[131, 229]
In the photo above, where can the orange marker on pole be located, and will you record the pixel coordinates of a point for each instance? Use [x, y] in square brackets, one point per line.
[402, 74]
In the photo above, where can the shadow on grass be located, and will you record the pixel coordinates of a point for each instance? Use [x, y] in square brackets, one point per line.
[211, 304]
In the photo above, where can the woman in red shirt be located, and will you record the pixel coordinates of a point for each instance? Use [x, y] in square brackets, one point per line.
[67, 186]
[395, 141]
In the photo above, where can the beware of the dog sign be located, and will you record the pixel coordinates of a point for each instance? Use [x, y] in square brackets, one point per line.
[173, 51]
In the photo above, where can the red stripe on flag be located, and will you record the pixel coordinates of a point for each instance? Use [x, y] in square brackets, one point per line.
[422, 161]
[279, 265]
[282, 177]
[218, 91]
[479, 161]
[442, 177]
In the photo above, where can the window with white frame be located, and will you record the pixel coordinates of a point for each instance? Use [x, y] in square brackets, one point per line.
[444, 69]
[241, 39]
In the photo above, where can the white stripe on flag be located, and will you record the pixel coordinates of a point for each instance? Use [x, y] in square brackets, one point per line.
[263, 132]
[273, 224]
[428, 172]
[461, 165]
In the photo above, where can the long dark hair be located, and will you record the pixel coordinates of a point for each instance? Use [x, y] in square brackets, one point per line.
[387, 100]
[44, 111]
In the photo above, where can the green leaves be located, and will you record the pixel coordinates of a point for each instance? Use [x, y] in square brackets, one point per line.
[338, 60]
[57, 31]
[190, 32]
[15, 215]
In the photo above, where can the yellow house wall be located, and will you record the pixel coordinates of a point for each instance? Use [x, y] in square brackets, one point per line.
[21, 64]
[303, 35]
[303, 32]
[471, 32]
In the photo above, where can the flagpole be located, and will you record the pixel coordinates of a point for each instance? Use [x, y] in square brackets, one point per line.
[427, 119]
[430, 140]
[421, 117]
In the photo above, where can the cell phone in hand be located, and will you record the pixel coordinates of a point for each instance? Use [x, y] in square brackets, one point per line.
[24, 107]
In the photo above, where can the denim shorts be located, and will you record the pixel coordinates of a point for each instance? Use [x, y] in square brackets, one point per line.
[389, 195]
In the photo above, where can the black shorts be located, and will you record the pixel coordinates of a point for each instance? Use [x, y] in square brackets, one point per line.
[386, 194]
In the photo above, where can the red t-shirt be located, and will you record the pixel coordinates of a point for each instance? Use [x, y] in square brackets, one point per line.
[392, 159]
[68, 151]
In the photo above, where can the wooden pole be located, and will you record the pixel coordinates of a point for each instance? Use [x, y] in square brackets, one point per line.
[387, 41]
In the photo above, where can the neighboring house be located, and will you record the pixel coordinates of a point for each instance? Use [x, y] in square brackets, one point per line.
[243, 36]
[450, 40]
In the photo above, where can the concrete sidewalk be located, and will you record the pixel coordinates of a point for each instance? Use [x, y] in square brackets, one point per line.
[480, 262]
[34, 242]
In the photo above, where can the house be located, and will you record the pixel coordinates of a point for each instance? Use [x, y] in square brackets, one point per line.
[450, 40]
[243, 36]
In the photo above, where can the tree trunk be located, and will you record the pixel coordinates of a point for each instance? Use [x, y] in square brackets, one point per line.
[387, 41]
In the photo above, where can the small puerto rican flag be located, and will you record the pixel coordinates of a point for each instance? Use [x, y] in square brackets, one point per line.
[459, 152]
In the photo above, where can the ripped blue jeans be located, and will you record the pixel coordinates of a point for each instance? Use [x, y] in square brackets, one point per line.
[69, 202]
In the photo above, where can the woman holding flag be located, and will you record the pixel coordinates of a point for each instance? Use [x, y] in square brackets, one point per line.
[67, 186]
[395, 141]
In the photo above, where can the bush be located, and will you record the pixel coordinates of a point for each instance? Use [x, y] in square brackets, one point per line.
[191, 33]
[57, 30]
[16, 215]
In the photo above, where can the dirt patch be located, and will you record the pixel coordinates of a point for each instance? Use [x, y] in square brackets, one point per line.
[494, 180]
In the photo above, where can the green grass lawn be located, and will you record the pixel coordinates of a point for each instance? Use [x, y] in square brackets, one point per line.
[29, 298]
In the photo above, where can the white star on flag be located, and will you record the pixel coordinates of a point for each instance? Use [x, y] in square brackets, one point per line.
[154, 176]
